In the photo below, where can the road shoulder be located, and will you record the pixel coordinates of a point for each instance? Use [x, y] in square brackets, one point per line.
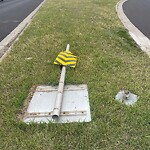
[9, 40]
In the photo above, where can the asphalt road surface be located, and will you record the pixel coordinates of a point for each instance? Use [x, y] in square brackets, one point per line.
[138, 12]
[12, 12]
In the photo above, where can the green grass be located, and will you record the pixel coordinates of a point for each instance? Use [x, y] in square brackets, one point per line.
[108, 60]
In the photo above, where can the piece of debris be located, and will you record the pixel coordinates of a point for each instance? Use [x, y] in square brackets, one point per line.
[29, 58]
[126, 97]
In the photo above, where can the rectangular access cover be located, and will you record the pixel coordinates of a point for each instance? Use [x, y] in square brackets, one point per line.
[75, 105]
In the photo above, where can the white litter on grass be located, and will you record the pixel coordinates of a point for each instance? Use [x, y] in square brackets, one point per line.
[126, 97]
[29, 58]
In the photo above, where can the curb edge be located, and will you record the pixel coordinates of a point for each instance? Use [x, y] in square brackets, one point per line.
[135, 33]
[7, 43]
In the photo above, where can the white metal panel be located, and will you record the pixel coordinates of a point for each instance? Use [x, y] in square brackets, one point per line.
[75, 105]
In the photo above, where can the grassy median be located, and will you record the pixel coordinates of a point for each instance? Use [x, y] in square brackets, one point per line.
[108, 60]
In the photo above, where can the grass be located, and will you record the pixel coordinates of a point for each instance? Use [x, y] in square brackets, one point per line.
[109, 60]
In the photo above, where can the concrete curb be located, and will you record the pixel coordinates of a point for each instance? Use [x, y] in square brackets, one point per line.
[137, 35]
[7, 42]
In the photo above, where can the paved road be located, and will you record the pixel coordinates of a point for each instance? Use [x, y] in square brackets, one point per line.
[138, 12]
[12, 12]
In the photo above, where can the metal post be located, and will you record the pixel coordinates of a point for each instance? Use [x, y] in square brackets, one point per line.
[59, 97]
